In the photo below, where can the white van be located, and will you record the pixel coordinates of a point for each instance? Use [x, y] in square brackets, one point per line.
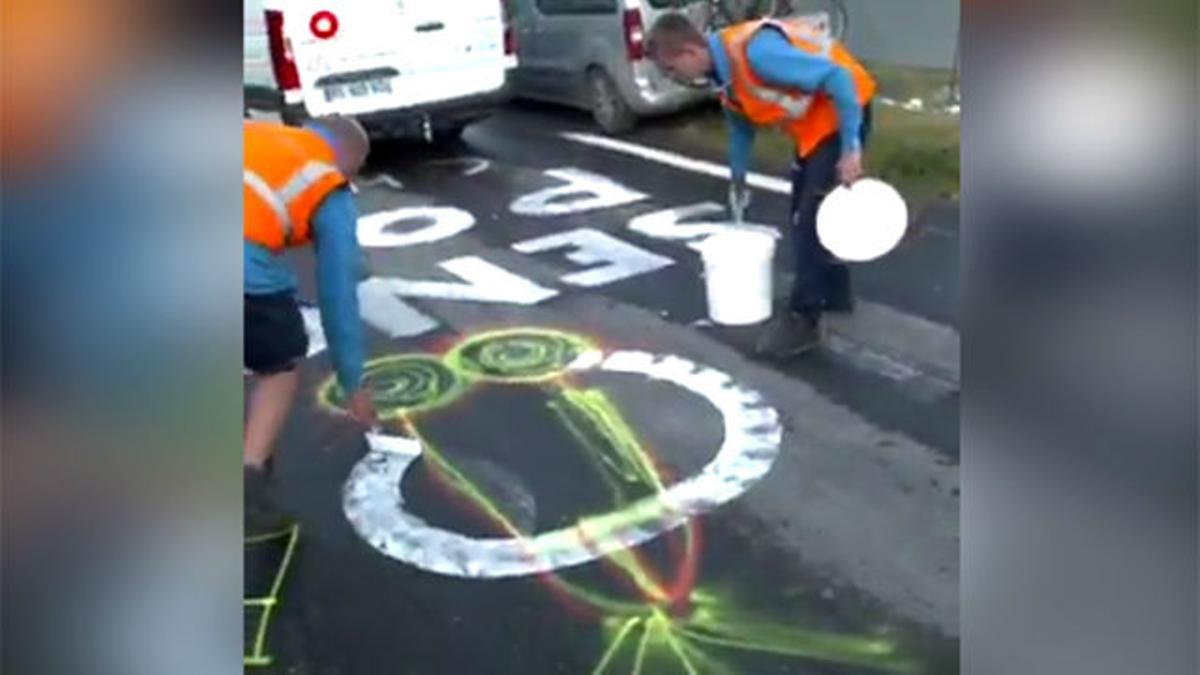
[402, 67]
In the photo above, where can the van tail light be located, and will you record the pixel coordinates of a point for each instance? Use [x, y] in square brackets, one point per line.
[282, 63]
[635, 35]
[323, 24]
[510, 33]
[510, 41]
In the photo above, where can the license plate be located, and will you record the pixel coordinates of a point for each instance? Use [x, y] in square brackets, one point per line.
[380, 85]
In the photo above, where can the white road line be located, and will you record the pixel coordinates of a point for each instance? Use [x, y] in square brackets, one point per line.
[940, 231]
[475, 165]
[378, 179]
[755, 180]
[921, 384]
[932, 348]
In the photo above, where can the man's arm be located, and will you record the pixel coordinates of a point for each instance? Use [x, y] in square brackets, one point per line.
[778, 63]
[339, 269]
[741, 140]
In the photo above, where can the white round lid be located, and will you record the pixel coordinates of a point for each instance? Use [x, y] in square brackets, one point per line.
[862, 222]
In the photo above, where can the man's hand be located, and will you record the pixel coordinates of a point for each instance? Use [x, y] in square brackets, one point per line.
[362, 409]
[849, 167]
[739, 199]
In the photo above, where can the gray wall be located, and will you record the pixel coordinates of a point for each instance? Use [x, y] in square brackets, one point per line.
[899, 32]
[904, 32]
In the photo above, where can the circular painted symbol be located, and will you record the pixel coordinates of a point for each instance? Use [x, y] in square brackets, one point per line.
[518, 355]
[402, 384]
[324, 24]
[375, 505]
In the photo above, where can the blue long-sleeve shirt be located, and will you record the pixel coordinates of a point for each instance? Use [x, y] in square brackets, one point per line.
[339, 269]
[777, 62]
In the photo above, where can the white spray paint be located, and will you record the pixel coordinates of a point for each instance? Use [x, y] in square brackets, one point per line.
[481, 282]
[379, 179]
[584, 191]
[700, 166]
[475, 165]
[444, 222]
[383, 310]
[374, 503]
[593, 247]
[668, 223]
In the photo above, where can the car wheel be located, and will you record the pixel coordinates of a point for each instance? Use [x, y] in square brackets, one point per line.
[293, 115]
[611, 111]
[451, 130]
[448, 133]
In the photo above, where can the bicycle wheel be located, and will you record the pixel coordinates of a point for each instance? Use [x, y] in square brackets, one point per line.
[835, 10]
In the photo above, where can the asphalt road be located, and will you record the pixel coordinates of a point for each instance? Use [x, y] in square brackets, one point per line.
[583, 475]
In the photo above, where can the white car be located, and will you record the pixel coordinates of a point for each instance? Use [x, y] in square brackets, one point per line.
[422, 68]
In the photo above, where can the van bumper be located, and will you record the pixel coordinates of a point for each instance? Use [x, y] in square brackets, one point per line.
[411, 121]
[649, 94]
[437, 116]
[648, 103]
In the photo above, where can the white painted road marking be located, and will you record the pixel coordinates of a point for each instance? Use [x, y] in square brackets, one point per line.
[894, 344]
[932, 347]
[481, 282]
[382, 308]
[444, 222]
[668, 224]
[755, 180]
[377, 179]
[587, 192]
[374, 501]
[475, 165]
[623, 260]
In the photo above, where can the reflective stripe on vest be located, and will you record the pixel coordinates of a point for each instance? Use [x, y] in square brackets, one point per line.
[278, 201]
[794, 105]
[278, 206]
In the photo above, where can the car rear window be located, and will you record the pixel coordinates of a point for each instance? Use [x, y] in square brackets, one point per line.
[577, 6]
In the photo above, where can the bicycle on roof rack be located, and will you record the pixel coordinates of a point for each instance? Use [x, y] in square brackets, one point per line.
[722, 13]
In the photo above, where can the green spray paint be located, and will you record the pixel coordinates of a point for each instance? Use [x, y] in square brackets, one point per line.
[646, 637]
[266, 604]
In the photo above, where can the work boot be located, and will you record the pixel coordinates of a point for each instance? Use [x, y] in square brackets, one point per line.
[261, 514]
[840, 304]
[841, 295]
[789, 334]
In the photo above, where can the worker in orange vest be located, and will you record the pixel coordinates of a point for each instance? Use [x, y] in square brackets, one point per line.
[787, 74]
[296, 191]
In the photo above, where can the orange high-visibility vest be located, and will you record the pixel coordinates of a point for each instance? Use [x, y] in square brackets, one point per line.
[286, 174]
[808, 117]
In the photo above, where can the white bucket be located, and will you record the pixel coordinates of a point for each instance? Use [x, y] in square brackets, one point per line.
[737, 276]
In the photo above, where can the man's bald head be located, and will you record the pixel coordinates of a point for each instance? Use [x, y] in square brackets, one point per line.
[348, 139]
[678, 48]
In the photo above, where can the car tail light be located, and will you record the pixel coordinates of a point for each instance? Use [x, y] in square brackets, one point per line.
[510, 33]
[635, 35]
[323, 24]
[282, 63]
[510, 41]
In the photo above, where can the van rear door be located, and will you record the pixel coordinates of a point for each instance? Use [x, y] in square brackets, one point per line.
[363, 56]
